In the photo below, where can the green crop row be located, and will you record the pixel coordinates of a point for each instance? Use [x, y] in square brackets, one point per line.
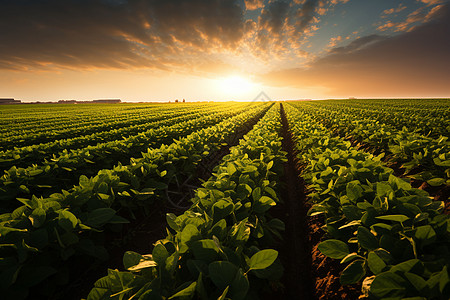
[217, 249]
[27, 128]
[35, 154]
[427, 117]
[423, 158]
[391, 237]
[39, 237]
[62, 172]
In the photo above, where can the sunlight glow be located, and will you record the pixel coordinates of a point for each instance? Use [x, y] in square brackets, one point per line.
[235, 85]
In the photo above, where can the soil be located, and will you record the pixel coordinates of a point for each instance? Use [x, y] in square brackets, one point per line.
[326, 271]
[309, 274]
[294, 250]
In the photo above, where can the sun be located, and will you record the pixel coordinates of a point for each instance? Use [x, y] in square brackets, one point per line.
[235, 85]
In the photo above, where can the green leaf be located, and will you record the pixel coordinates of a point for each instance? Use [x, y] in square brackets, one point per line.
[249, 169]
[224, 294]
[131, 259]
[118, 220]
[189, 233]
[240, 232]
[115, 282]
[407, 266]
[444, 281]
[205, 250]
[263, 204]
[231, 169]
[388, 284]
[37, 217]
[263, 259]
[353, 273]
[351, 257]
[100, 216]
[436, 181]
[222, 273]
[425, 234]
[5, 230]
[69, 238]
[171, 221]
[219, 229]
[145, 263]
[418, 282]
[187, 292]
[221, 209]
[352, 212]
[84, 181]
[334, 248]
[160, 254]
[366, 239]
[200, 288]
[354, 190]
[256, 194]
[384, 189]
[240, 286]
[35, 172]
[67, 220]
[397, 218]
[401, 183]
[376, 264]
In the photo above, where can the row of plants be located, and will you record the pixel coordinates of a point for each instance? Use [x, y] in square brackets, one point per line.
[38, 238]
[429, 117]
[422, 158]
[24, 128]
[388, 236]
[220, 247]
[63, 171]
[35, 154]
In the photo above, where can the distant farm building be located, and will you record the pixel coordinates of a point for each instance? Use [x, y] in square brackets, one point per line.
[9, 101]
[107, 101]
[67, 101]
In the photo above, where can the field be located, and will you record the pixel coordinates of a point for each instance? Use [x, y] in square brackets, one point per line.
[332, 199]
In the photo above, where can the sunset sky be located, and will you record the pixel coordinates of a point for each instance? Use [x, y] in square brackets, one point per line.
[150, 50]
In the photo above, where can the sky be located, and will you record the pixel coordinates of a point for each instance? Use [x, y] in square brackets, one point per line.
[150, 50]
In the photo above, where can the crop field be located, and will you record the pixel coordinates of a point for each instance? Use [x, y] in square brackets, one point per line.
[330, 199]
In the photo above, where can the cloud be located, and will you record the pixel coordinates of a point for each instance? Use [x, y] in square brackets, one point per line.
[431, 2]
[397, 9]
[418, 16]
[339, 1]
[254, 4]
[283, 25]
[90, 34]
[357, 44]
[413, 63]
[273, 17]
[334, 41]
[114, 34]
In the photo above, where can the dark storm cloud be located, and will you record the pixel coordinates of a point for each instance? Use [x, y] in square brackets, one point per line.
[114, 33]
[411, 63]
